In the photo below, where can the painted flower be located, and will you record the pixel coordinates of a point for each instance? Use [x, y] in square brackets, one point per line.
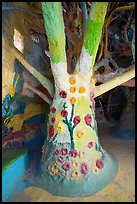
[90, 144]
[74, 153]
[60, 127]
[80, 133]
[84, 168]
[63, 94]
[53, 119]
[75, 175]
[73, 100]
[95, 170]
[99, 163]
[76, 120]
[53, 109]
[57, 151]
[82, 89]
[66, 166]
[61, 159]
[64, 151]
[82, 154]
[54, 169]
[72, 80]
[88, 119]
[75, 164]
[72, 89]
[64, 113]
[51, 131]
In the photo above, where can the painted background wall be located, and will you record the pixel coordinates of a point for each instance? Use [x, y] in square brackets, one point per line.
[23, 112]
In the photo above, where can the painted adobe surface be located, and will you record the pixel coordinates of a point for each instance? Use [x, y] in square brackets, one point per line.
[23, 112]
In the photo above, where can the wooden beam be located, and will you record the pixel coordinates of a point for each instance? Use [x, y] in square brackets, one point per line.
[116, 81]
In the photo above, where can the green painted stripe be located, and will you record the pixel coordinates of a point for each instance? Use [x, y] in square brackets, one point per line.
[54, 25]
[94, 28]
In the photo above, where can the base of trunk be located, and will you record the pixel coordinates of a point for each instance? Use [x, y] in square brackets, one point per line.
[91, 184]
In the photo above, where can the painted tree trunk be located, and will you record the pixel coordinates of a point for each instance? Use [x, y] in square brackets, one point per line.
[73, 161]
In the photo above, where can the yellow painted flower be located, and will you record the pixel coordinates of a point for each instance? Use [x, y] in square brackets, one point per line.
[95, 170]
[72, 89]
[58, 117]
[54, 169]
[72, 80]
[82, 154]
[75, 164]
[73, 100]
[75, 175]
[80, 133]
[82, 89]
[60, 127]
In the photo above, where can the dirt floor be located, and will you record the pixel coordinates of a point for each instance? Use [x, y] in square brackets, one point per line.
[122, 189]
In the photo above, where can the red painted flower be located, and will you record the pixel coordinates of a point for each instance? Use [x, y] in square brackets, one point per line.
[74, 153]
[63, 94]
[64, 151]
[88, 119]
[66, 166]
[84, 168]
[57, 151]
[60, 159]
[53, 119]
[90, 144]
[99, 163]
[51, 131]
[64, 113]
[53, 109]
[76, 120]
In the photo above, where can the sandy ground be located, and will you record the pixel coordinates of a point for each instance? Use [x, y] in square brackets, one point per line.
[122, 189]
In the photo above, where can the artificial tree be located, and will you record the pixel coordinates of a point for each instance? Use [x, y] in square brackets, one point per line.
[73, 161]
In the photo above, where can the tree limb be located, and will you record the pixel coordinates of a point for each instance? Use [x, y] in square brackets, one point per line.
[116, 81]
[42, 79]
[54, 26]
[92, 36]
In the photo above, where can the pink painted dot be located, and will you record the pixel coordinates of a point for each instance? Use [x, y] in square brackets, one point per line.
[57, 151]
[84, 168]
[60, 159]
[66, 166]
[99, 163]
[53, 109]
[90, 144]
[64, 113]
[64, 151]
[74, 153]
[76, 120]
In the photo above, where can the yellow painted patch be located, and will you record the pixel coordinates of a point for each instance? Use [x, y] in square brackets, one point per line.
[31, 109]
[82, 89]
[73, 100]
[72, 89]
[82, 108]
[72, 80]
[58, 117]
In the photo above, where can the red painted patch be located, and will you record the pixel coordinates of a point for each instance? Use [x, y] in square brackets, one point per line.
[51, 131]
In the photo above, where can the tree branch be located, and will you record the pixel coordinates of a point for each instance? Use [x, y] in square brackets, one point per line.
[37, 92]
[92, 36]
[42, 79]
[54, 26]
[116, 81]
